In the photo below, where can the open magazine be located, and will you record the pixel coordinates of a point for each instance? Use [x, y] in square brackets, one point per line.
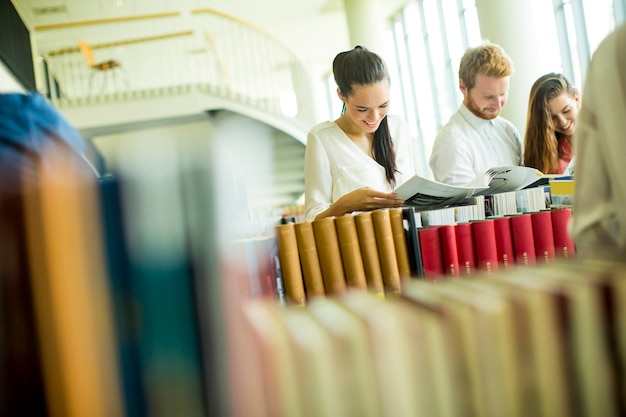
[428, 194]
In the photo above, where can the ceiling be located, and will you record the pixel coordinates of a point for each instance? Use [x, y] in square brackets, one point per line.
[314, 29]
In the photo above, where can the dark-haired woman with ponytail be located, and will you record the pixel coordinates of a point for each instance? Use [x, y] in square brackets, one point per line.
[355, 162]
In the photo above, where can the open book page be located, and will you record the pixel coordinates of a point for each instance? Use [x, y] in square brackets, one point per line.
[546, 178]
[511, 178]
[429, 194]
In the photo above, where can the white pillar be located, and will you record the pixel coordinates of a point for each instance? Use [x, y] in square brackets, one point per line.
[527, 32]
[366, 24]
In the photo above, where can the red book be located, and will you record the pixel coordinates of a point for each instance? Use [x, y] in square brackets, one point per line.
[544, 236]
[465, 248]
[449, 253]
[504, 241]
[563, 243]
[432, 259]
[485, 245]
[523, 240]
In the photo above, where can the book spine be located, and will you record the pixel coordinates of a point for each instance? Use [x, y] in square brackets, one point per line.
[400, 242]
[563, 243]
[266, 268]
[431, 253]
[485, 245]
[386, 251]
[290, 263]
[413, 242]
[311, 269]
[450, 256]
[543, 236]
[523, 240]
[369, 252]
[277, 274]
[465, 249]
[504, 242]
[254, 268]
[351, 252]
[327, 242]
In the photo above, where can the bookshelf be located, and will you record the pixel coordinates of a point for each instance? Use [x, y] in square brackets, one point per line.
[386, 247]
[141, 302]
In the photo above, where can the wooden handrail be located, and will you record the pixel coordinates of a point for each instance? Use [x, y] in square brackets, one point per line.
[218, 55]
[104, 21]
[72, 50]
[241, 22]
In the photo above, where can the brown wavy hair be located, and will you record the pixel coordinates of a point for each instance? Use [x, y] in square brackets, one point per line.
[359, 67]
[541, 141]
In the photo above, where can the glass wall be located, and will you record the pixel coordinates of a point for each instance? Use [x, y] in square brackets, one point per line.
[428, 38]
[581, 26]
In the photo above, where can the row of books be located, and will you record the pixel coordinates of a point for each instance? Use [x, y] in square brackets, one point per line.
[122, 295]
[495, 243]
[548, 341]
[377, 250]
[112, 295]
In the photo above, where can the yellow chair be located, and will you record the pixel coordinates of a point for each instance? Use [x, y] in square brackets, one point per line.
[104, 67]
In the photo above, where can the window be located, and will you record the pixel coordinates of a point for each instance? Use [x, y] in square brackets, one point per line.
[581, 26]
[428, 38]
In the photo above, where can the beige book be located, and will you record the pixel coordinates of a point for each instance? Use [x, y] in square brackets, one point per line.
[290, 263]
[275, 359]
[391, 352]
[312, 347]
[418, 326]
[527, 348]
[466, 354]
[500, 341]
[351, 251]
[585, 287]
[548, 341]
[329, 252]
[449, 369]
[399, 241]
[354, 368]
[309, 259]
[369, 253]
[386, 251]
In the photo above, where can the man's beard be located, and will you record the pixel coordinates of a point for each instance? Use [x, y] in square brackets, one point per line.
[471, 106]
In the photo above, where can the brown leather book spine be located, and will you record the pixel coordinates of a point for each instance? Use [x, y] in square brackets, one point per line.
[386, 251]
[399, 241]
[290, 263]
[351, 251]
[369, 253]
[309, 259]
[330, 255]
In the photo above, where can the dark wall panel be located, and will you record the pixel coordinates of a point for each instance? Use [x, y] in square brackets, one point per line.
[15, 50]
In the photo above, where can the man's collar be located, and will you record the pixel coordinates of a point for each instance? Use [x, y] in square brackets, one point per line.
[475, 121]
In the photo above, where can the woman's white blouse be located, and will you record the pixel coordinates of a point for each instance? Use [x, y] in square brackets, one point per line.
[335, 166]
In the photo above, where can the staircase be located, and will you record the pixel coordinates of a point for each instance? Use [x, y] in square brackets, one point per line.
[176, 66]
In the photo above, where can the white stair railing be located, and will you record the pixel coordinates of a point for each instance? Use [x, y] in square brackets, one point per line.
[205, 51]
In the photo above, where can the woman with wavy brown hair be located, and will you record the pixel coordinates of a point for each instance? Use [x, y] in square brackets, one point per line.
[552, 110]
